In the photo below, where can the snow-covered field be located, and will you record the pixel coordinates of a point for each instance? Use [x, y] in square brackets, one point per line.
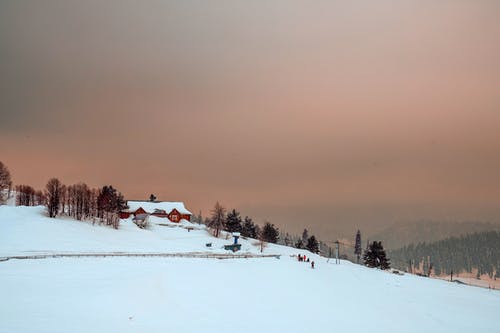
[26, 230]
[209, 295]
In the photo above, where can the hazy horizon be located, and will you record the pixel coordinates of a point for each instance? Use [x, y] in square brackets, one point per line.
[327, 115]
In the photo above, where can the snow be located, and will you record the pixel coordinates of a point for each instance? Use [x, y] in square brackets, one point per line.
[26, 230]
[10, 199]
[150, 207]
[135, 294]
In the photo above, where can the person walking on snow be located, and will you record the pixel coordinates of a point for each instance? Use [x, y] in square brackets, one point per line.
[312, 264]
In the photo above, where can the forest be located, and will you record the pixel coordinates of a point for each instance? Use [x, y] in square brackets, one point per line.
[476, 252]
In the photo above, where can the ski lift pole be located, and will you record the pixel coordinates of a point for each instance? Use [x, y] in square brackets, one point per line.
[337, 260]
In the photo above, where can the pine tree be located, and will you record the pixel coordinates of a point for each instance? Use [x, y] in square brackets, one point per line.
[305, 236]
[312, 244]
[287, 240]
[477, 251]
[270, 233]
[375, 256]
[233, 222]
[109, 203]
[357, 245]
[249, 229]
[299, 244]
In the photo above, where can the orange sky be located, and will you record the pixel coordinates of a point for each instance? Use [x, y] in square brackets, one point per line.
[328, 115]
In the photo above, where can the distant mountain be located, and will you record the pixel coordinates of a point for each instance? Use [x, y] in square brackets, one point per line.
[399, 235]
[478, 252]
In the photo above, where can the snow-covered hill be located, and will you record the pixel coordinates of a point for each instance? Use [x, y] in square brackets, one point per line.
[208, 295]
[27, 230]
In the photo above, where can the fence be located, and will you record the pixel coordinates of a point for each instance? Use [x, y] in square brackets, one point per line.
[123, 254]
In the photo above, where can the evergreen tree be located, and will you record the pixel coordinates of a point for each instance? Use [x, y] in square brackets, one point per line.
[233, 222]
[477, 251]
[287, 240]
[299, 244]
[269, 233]
[305, 236]
[109, 203]
[109, 200]
[312, 244]
[375, 256]
[357, 245]
[249, 229]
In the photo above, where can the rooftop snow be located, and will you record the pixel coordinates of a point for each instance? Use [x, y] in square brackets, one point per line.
[150, 207]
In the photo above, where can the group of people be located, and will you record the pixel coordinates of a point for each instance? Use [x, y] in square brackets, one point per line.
[304, 258]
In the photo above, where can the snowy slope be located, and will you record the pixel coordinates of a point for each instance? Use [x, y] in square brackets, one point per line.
[208, 295]
[26, 230]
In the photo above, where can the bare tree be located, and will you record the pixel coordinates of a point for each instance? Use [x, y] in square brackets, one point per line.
[5, 183]
[262, 243]
[39, 198]
[218, 219]
[111, 219]
[64, 199]
[25, 195]
[53, 195]
[94, 194]
[79, 201]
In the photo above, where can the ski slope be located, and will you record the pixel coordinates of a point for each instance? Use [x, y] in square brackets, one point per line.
[209, 295]
[26, 230]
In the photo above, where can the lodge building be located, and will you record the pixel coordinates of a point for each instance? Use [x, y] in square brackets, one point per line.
[174, 211]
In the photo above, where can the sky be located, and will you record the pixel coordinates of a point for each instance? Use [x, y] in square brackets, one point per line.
[330, 115]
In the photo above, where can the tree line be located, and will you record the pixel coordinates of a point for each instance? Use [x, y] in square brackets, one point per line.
[84, 203]
[28, 196]
[231, 221]
[79, 201]
[103, 205]
[221, 220]
[479, 252]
